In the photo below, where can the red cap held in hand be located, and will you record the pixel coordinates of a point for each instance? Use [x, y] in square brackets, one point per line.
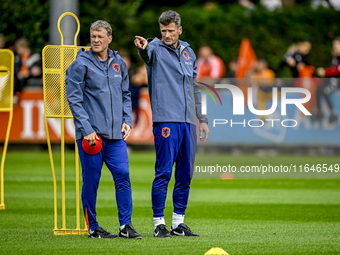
[95, 148]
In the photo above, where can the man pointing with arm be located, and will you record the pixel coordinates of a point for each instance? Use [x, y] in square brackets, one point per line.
[175, 102]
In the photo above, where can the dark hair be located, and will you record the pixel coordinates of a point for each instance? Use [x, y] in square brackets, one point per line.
[168, 17]
[337, 38]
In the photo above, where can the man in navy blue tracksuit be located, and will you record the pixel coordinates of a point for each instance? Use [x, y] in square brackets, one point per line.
[175, 102]
[97, 86]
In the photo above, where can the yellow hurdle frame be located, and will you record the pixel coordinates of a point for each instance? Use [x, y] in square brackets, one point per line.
[56, 59]
[6, 105]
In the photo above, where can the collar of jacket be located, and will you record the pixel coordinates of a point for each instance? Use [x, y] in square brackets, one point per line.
[182, 44]
[91, 56]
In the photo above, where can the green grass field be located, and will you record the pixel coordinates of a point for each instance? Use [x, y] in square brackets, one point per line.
[242, 216]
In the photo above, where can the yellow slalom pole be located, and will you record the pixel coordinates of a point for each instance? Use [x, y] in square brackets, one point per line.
[54, 177]
[55, 194]
[62, 85]
[77, 186]
[63, 172]
[63, 132]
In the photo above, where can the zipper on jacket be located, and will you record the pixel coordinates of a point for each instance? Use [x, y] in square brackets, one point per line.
[185, 97]
[108, 84]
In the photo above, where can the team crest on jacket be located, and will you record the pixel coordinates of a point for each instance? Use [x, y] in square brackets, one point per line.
[186, 55]
[116, 67]
[165, 132]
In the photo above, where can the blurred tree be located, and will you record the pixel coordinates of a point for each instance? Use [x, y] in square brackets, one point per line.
[220, 24]
[20, 18]
[288, 3]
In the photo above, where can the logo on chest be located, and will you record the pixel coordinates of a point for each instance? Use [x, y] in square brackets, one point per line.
[186, 55]
[116, 67]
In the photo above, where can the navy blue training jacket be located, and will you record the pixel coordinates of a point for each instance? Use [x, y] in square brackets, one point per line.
[174, 93]
[99, 102]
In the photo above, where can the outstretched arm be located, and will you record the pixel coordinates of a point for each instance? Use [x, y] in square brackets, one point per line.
[140, 42]
[145, 50]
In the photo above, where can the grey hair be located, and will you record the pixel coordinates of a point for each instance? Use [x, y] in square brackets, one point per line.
[99, 24]
[168, 17]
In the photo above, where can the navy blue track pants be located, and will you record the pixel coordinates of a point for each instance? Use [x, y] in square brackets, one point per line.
[114, 154]
[174, 143]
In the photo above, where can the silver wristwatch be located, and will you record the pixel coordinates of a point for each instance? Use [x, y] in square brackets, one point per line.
[204, 120]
